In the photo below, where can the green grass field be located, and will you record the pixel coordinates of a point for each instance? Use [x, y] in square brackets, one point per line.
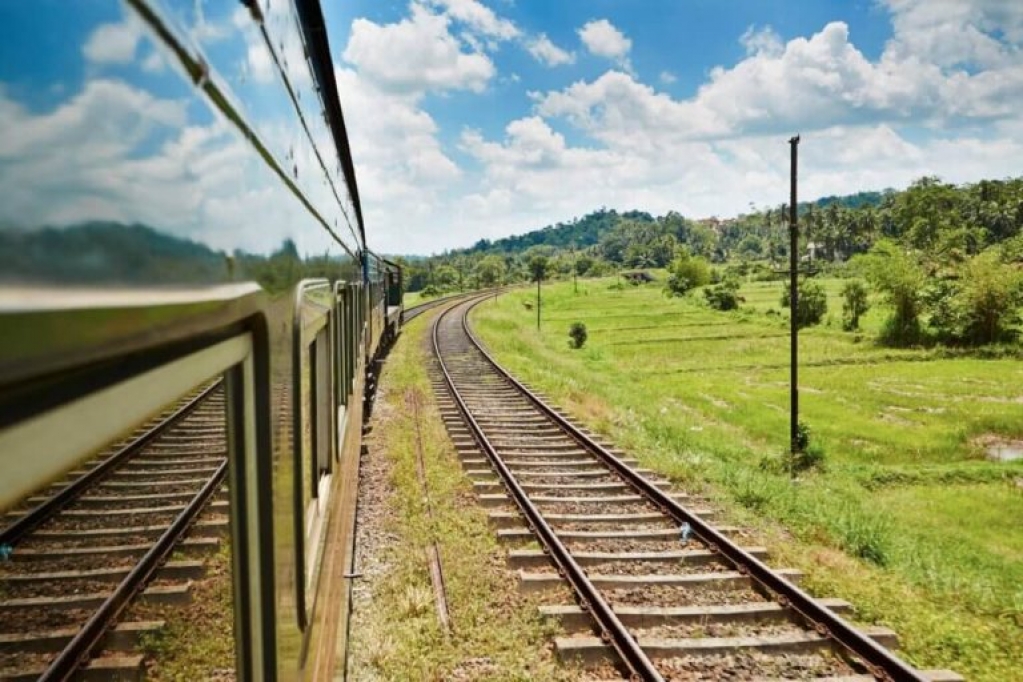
[907, 518]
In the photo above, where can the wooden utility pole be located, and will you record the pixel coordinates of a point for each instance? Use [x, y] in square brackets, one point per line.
[538, 303]
[794, 301]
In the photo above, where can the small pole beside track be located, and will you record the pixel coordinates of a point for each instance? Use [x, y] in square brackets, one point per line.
[793, 303]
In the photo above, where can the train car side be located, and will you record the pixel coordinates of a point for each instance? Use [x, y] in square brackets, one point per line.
[223, 176]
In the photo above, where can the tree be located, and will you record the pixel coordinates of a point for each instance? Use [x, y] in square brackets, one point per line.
[685, 273]
[583, 264]
[990, 296]
[538, 267]
[490, 270]
[898, 273]
[445, 276]
[854, 305]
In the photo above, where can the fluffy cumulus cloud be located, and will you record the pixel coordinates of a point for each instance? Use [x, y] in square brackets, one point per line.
[116, 152]
[113, 43]
[809, 83]
[943, 97]
[546, 52]
[601, 38]
[479, 18]
[954, 32]
[416, 54]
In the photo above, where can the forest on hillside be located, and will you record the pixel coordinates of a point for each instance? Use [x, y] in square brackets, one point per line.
[948, 259]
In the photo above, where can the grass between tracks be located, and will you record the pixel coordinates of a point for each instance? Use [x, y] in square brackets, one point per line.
[496, 633]
[907, 519]
[197, 642]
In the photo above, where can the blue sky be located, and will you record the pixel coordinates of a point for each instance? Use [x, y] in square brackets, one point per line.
[481, 118]
[476, 119]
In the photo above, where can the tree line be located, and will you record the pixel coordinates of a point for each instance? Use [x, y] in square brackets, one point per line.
[947, 259]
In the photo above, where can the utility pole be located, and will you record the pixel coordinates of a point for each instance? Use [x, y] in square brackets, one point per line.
[575, 271]
[794, 301]
[538, 303]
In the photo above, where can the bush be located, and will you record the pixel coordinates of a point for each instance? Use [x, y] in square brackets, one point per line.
[897, 273]
[685, 273]
[991, 292]
[577, 335]
[429, 290]
[854, 305]
[724, 296]
[812, 304]
[808, 455]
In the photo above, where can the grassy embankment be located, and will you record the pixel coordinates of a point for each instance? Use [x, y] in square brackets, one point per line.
[496, 633]
[908, 520]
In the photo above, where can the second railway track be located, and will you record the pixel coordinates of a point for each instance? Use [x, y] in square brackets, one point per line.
[656, 590]
[80, 551]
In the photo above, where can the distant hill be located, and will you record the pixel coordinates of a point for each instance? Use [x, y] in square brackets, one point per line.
[588, 230]
[105, 252]
[858, 200]
[580, 233]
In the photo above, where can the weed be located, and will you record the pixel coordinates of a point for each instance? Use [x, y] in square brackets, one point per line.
[577, 335]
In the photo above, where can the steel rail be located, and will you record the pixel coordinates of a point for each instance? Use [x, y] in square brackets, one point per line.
[415, 311]
[614, 630]
[14, 533]
[880, 662]
[89, 637]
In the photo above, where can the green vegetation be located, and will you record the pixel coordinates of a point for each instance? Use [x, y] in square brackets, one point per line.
[577, 335]
[897, 507]
[197, 642]
[687, 272]
[855, 304]
[496, 634]
[948, 260]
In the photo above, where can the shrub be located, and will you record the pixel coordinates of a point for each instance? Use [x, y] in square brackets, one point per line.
[897, 273]
[990, 295]
[577, 335]
[685, 273]
[724, 296]
[429, 290]
[807, 455]
[812, 304]
[854, 304]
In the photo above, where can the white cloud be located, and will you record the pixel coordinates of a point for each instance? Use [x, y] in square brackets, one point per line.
[956, 32]
[667, 77]
[113, 43]
[153, 63]
[604, 40]
[479, 17]
[807, 84]
[415, 55]
[546, 52]
[866, 123]
[762, 41]
[114, 152]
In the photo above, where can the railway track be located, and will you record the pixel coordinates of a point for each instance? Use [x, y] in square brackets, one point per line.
[643, 581]
[79, 552]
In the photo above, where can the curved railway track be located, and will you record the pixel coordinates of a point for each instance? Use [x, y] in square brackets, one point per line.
[78, 553]
[656, 590]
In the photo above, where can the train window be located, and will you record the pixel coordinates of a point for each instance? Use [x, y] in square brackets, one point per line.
[321, 414]
[343, 328]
